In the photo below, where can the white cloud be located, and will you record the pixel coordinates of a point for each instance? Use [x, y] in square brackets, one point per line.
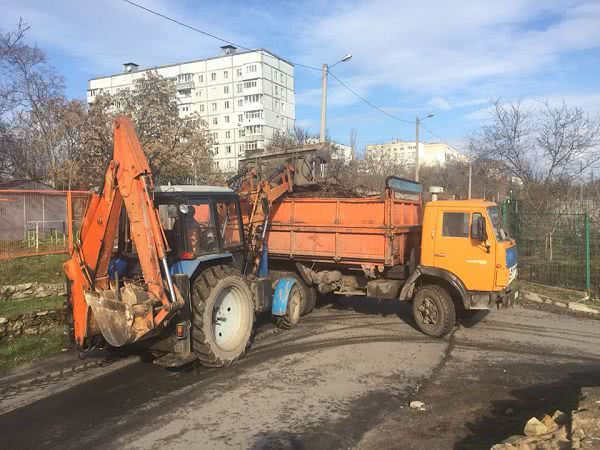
[440, 46]
[104, 34]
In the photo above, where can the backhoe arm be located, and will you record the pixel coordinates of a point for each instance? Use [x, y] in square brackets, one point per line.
[121, 315]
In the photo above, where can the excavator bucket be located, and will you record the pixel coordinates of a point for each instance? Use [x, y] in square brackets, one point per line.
[121, 322]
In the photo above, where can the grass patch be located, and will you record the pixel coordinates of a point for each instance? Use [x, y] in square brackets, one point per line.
[26, 349]
[12, 308]
[27, 269]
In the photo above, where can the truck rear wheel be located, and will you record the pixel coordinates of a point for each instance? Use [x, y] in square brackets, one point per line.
[310, 300]
[294, 308]
[223, 316]
[433, 310]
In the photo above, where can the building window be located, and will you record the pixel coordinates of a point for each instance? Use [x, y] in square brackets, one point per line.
[184, 78]
[254, 114]
[215, 121]
[250, 84]
[214, 106]
[282, 78]
[254, 129]
[251, 68]
[201, 78]
[226, 119]
[241, 102]
[225, 89]
[276, 90]
[239, 88]
[252, 98]
[240, 118]
[239, 72]
[201, 107]
[226, 104]
[215, 150]
[228, 134]
[215, 136]
[241, 132]
[217, 165]
[228, 149]
[213, 76]
[251, 146]
[225, 74]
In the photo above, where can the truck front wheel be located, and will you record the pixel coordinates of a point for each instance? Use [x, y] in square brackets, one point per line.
[433, 310]
[223, 316]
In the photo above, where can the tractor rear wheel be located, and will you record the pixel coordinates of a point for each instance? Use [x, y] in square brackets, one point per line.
[223, 316]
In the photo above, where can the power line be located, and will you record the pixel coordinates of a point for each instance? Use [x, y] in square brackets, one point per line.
[440, 138]
[185, 25]
[375, 107]
[226, 41]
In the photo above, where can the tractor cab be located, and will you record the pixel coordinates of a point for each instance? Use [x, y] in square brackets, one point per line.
[201, 224]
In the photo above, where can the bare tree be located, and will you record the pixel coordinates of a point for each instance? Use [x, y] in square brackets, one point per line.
[545, 149]
[178, 148]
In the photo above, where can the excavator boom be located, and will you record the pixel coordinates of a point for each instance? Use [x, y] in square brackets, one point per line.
[120, 314]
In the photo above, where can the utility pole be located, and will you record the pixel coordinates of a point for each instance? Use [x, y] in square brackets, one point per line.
[325, 71]
[417, 123]
[417, 149]
[323, 101]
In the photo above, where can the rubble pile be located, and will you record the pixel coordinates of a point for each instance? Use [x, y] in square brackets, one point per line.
[580, 430]
[550, 433]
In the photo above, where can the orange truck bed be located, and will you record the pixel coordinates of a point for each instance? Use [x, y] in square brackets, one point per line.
[373, 230]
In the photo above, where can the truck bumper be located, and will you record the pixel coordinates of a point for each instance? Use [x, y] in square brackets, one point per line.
[486, 300]
[507, 297]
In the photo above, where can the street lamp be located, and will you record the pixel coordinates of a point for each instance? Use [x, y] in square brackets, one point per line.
[325, 70]
[417, 122]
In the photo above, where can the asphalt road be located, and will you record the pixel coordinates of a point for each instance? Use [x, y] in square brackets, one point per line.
[342, 379]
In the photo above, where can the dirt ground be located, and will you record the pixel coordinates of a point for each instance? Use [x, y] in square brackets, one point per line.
[343, 378]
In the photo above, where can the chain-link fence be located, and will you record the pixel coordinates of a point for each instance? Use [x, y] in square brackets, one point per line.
[39, 222]
[556, 249]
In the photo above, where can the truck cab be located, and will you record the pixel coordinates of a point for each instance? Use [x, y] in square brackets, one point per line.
[466, 240]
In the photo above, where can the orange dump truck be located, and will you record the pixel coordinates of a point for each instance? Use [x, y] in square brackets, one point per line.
[447, 257]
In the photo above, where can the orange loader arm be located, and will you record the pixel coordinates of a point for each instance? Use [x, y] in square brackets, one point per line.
[120, 314]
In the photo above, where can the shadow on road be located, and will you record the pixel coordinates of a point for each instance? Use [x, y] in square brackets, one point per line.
[526, 402]
[373, 306]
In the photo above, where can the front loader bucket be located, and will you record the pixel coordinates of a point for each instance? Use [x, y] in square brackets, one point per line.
[118, 321]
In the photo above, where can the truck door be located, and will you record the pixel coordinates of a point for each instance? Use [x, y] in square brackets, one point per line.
[454, 250]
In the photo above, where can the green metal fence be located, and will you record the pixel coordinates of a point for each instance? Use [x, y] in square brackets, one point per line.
[560, 250]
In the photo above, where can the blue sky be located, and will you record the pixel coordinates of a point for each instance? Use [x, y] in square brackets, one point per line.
[409, 58]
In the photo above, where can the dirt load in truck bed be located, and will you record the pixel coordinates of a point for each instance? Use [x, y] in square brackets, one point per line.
[328, 190]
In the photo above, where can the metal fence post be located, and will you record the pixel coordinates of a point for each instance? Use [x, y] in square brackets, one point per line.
[70, 220]
[587, 253]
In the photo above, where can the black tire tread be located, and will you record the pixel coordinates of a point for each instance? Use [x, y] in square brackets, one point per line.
[448, 312]
[203, 286]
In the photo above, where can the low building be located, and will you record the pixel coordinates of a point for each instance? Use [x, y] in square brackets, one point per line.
[403, 152]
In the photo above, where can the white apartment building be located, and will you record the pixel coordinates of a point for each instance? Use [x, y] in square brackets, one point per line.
[244, 97]
[430, 153]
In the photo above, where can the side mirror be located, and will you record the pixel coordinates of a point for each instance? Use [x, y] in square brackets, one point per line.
[478, 229]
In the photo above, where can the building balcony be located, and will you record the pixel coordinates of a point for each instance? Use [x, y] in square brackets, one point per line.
[253, 106]
[188, 85]
[253, 121]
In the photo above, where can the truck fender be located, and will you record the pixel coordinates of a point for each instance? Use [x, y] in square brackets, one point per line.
[408, 289]
[281, 295]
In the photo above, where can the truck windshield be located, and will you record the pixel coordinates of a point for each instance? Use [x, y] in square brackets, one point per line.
[496, 219]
